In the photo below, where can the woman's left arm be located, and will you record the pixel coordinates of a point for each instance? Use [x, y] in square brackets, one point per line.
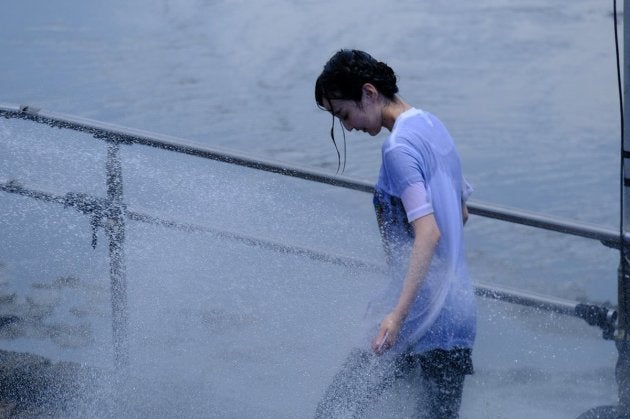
[427, 235]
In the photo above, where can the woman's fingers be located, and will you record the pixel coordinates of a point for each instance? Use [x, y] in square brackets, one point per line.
[387, 334]
[380, 343]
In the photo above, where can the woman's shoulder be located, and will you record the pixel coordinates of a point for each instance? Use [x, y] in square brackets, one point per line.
[423, 132]
[408, 134]
[415, 120]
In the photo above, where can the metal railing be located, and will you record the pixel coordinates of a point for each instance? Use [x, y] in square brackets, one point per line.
[110, 213]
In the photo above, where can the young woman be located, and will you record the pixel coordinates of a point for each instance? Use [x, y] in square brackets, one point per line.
[424, 320]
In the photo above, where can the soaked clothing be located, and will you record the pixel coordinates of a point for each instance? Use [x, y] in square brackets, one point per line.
[443, 373]
[420, 175]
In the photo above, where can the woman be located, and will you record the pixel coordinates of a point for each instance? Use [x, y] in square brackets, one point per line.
[425, 318]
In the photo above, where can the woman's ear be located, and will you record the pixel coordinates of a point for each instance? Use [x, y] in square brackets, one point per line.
[370, 91]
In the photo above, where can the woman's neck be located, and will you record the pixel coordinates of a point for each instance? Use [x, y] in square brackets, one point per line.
[392, 110]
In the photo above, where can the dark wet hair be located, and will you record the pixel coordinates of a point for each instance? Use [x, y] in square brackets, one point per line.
[347, 71]
[343, 78]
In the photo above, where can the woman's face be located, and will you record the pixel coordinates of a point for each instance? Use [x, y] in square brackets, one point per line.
[363, 116]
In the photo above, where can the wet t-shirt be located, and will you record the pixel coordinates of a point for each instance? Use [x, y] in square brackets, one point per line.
[421, 175]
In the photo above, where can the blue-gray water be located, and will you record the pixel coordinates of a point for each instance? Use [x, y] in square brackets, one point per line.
[528, 90]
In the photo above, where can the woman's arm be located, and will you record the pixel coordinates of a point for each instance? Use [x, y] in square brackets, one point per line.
[427, 235]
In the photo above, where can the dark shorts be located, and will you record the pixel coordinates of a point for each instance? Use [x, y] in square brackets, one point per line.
[443, 373]
[364, 376]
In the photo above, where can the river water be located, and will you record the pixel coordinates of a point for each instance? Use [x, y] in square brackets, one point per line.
[527, 89]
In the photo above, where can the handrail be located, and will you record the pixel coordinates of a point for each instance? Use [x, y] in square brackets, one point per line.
[608, 236]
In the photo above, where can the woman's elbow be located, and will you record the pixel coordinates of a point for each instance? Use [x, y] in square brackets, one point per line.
[426, 229]
[435, 234]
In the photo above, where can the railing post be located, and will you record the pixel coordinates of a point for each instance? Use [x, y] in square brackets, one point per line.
[115, 229]
[622, 371]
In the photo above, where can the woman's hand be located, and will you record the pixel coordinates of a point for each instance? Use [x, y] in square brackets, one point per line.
[387, 334]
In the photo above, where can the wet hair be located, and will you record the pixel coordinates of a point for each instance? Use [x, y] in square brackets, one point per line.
[343, 78]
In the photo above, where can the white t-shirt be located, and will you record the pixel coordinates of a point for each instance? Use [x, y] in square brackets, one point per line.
[420, 175]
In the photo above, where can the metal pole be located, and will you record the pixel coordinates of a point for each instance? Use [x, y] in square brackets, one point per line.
[115, 229]
[622, 371]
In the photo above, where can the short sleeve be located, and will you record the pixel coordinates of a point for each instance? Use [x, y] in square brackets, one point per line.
[416, 201]
[403, 169]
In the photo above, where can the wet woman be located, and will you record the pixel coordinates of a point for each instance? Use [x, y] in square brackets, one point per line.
[424, 321]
